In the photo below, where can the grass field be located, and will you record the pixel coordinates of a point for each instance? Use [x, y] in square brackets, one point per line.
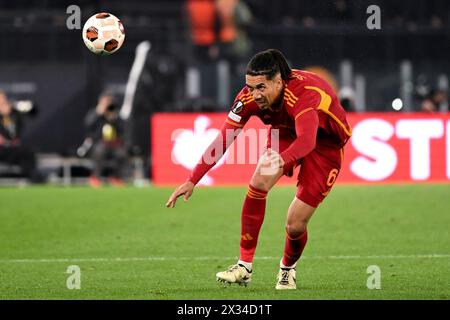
[129, 246]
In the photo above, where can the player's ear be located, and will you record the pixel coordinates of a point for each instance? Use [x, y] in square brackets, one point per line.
[278, 82]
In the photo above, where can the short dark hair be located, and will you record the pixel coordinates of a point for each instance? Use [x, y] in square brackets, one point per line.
[269, 63]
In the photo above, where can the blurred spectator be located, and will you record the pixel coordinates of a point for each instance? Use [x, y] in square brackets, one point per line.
[218, 28]
[202, 20]
[347, 99]
[234, 17]
[105, 137]
[342, 11]
[433, 101]
[217, 33]
[11, 149]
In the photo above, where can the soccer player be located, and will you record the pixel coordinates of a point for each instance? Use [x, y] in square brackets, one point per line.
[306, 117]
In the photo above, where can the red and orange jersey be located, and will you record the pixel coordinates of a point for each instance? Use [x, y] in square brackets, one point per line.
[304, 91]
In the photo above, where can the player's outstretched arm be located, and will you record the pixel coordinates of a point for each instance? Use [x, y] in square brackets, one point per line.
[185, 189]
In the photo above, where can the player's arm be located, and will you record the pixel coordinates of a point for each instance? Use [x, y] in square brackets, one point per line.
[228, 133]
[306, 119]
[215, 151]
[210, 157]
[306, 126]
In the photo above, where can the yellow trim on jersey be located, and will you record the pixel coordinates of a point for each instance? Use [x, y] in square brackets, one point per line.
[290, 104]
[234, 124]
[247, 100]
[324, 105]
[291, 94]
[302, 112]
[288, 98]
[347, 131]
[325, 99]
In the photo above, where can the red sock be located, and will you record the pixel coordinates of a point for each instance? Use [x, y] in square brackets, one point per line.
[293, 248]
[252, 218]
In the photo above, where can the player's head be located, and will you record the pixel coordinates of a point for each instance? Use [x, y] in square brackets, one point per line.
[265, 76]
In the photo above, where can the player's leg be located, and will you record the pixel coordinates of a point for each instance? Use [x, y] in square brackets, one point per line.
[253, 211]
[297, 220]
[317, 175]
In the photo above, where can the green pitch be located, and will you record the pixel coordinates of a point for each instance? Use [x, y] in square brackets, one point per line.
[129, 246]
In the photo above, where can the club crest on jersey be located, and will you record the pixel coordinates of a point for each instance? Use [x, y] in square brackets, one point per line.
[238, 106]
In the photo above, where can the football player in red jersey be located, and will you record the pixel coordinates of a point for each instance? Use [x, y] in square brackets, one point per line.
[310, 129]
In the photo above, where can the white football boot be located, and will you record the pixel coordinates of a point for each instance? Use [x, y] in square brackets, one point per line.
[235, 274]
[286, 279]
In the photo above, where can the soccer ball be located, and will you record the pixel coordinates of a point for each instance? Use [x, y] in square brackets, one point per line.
[103, 34]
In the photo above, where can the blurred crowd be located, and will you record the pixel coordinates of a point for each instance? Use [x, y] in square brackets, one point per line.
[395, 13]
[12, 150]
[198, 34]
[104, 142]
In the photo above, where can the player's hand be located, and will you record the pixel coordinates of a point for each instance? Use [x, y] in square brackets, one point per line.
[271, 163]
[185, 189]
[273, 159]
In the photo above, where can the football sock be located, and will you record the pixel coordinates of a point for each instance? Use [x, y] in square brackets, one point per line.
[293, 249]
[282, 266]
[251, 221]
[246, 265]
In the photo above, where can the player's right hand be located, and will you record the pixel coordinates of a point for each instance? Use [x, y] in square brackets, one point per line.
[185, 189]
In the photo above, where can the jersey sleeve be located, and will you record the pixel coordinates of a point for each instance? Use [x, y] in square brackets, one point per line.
[302, 105]
[306, 127]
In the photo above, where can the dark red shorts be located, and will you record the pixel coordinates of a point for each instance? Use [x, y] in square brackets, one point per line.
[318, 171]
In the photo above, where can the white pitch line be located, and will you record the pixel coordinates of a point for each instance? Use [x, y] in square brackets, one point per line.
[137, 259]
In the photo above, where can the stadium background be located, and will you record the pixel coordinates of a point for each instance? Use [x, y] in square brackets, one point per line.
[43, 61]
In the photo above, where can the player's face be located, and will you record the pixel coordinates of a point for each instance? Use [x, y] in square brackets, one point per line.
[265, 92]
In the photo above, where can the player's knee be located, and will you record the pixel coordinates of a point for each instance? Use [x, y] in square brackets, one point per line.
[261, 182]
[295, 229]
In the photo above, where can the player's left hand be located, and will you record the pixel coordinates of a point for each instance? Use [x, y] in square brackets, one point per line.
[185, 189]
[272, 162]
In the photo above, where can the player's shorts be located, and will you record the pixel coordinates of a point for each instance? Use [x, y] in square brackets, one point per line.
[318, 170]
